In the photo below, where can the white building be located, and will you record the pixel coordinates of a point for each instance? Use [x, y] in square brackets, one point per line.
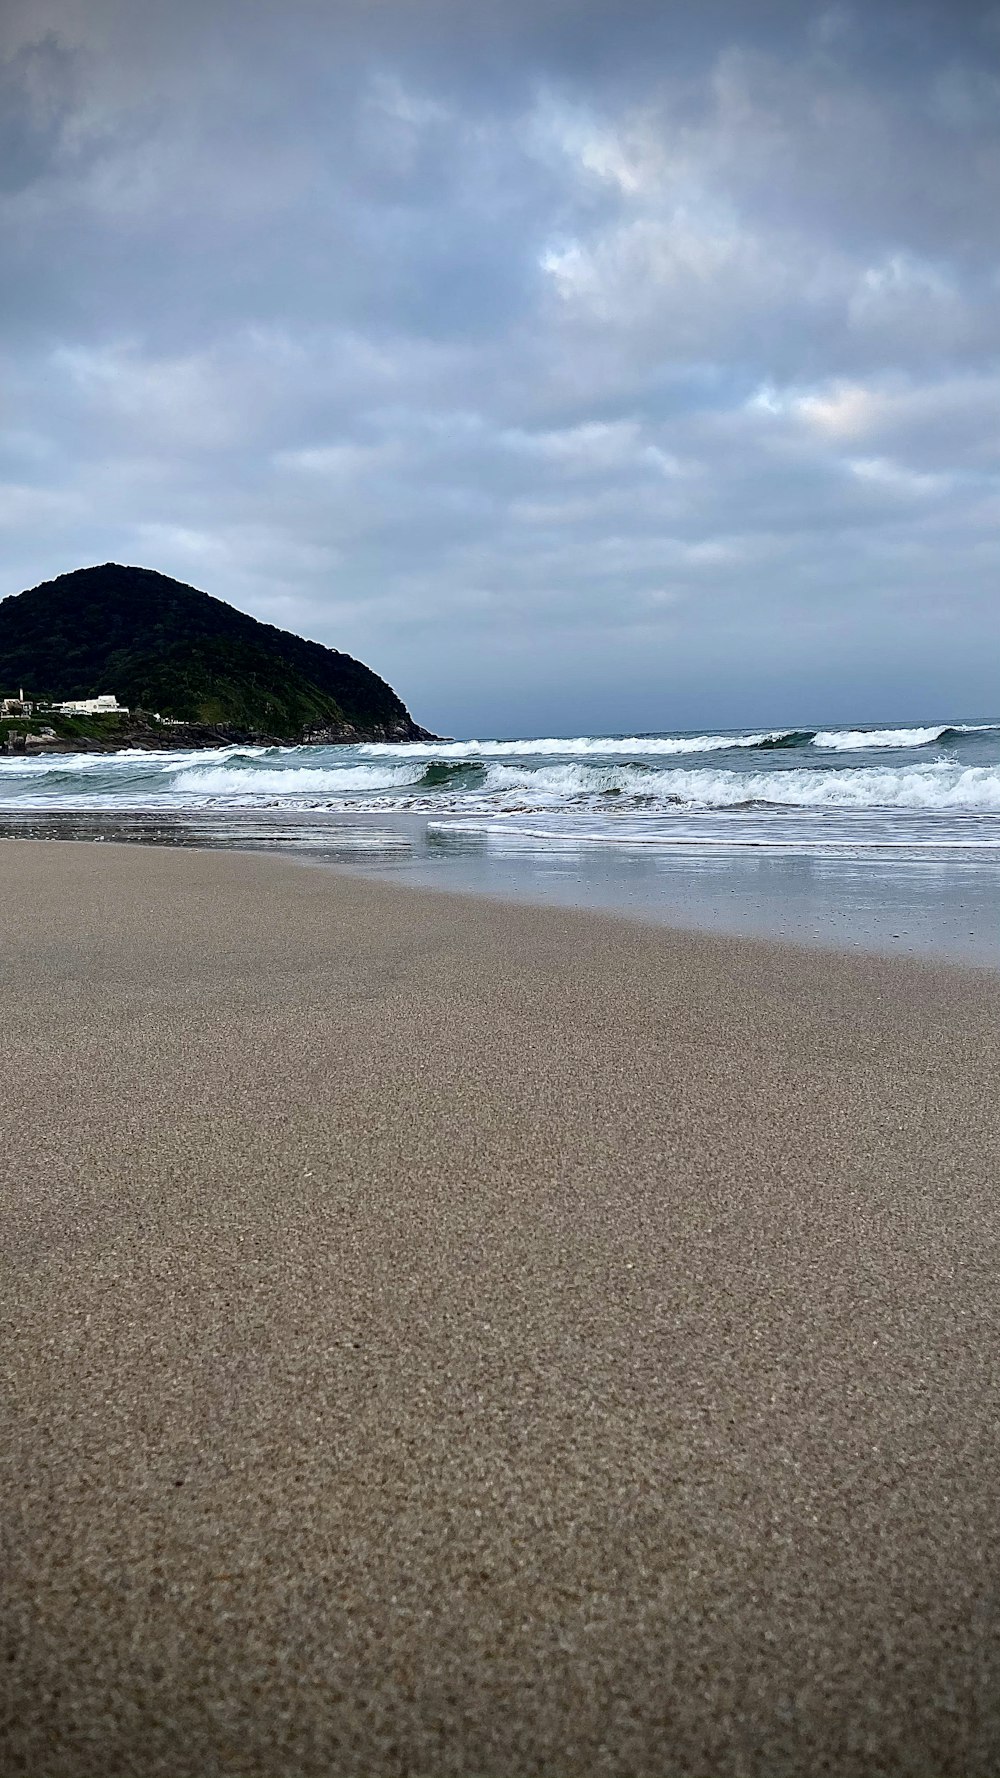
[106, 705]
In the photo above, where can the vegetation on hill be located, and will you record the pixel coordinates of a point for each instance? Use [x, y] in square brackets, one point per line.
[162, 646]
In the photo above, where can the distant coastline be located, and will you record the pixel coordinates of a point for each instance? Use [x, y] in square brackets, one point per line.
[171, 667]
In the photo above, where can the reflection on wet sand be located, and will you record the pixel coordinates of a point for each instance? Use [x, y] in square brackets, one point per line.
[942, 905]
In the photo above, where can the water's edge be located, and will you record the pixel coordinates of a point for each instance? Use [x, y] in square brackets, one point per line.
[946, 911]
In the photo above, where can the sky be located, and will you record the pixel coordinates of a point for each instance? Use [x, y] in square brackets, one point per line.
[580, 366]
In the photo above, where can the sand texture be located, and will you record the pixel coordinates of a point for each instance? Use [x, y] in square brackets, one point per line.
[446, 1338]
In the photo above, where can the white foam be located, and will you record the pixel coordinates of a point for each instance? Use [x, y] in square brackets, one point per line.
[126, 759]
[654, 746]
[613, 779]
[575, 779]
[858, 740]
[937, 785]
[741, 837]
[638, 746]
[18, 766]
[247, 783]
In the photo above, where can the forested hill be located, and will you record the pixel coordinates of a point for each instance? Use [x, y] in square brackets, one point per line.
[162, 646]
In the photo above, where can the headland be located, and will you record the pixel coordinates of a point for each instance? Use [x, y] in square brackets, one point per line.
[180, 669]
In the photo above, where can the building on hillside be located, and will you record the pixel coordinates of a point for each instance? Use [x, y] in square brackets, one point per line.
[18, 706]
[106, 705]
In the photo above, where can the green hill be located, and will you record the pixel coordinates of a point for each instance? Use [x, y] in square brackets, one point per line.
[162, 646]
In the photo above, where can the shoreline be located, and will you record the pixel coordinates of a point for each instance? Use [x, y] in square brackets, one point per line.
[451, 1336]
[947, 928]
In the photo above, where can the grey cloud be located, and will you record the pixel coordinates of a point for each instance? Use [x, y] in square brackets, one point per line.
[575, 365]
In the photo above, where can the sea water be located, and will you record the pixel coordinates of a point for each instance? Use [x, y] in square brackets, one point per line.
[887, 837]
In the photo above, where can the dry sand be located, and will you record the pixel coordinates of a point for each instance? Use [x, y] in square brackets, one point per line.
[444, 1338]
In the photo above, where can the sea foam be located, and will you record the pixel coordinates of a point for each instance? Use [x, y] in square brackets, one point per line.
[650, 746]
[289, 781]
[860, 740]
[937, 771]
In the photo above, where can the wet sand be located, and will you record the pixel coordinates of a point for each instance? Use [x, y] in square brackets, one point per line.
[449, 1338]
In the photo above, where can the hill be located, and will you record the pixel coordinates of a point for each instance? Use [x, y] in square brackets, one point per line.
[162, 646]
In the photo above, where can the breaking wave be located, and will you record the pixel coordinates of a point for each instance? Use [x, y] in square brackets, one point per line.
[650, 746]
[860, 740]
[289, 781]
[502, 787]
[931, 786]
[656, 746]
[934, 786]
[807, 777]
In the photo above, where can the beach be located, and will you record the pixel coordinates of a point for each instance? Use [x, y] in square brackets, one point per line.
[451, 1337]
[883, 839]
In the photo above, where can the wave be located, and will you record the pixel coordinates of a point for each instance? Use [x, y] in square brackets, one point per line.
[573, 779]
[126, 759]
[450, 774]
[614, 777]
[931, 786]
[256, 780]
[792, 737]
[290, 781]
[934, 786]
[785, 837]
[443, 766]
[654, 746]
[859, 740]
[649, 746]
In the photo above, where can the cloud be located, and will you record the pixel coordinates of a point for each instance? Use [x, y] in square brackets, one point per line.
[568, 363]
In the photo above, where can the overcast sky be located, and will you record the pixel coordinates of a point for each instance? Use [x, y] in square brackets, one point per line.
[578, 365]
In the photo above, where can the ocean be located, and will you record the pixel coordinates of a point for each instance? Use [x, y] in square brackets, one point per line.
[885, 837]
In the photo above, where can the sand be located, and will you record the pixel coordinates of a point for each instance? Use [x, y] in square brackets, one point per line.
[449, 1338]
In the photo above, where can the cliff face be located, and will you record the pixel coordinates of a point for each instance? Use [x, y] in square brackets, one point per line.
[166, 647]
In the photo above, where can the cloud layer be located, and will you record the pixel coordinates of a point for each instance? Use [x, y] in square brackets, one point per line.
[578, 367]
